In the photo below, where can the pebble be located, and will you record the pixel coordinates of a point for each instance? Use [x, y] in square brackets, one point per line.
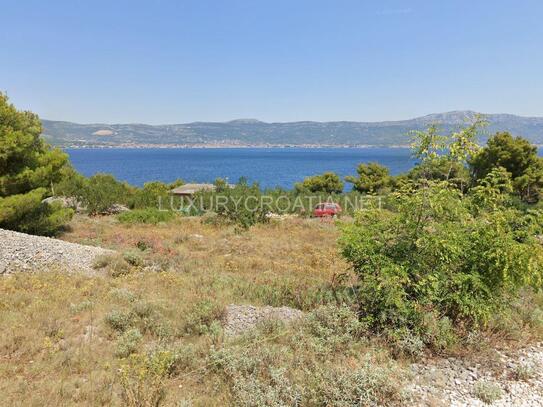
[459, 392]
[23, 252]
[240, 318]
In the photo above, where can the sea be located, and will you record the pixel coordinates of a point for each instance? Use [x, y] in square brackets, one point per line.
[269, 167]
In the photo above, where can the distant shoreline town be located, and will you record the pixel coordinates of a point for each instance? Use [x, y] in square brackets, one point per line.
[256, 134]
[216, 146]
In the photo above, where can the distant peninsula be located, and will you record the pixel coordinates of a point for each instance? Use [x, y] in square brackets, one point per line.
[255, 133]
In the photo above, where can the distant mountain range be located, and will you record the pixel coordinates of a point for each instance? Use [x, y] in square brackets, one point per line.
[250, 132]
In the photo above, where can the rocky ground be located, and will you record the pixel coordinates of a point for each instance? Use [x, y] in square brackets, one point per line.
[22, 252]
[239, 318]
[513, 378]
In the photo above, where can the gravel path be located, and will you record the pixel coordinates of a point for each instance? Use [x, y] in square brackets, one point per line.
[515, 378]
[22, 252]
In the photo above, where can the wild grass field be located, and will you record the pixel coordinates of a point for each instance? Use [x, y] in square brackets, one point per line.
[145, 330]
[141, 334]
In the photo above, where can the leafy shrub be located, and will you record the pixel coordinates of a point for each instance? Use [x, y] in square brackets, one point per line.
[200, 319]
[154, 194]
[523, 372]
[368, 385]
[119, 321]
[128, 343]
[439, 252]
[434, 253]
[149, 215]
[278, 390]
[142, 379]
[142, 315]
[487, 392]
[329, 183]
[71, 184]
[405, 343]
[333, 327]
[101, 191]
[114, 264]
[133, 258]
[44, 218]
[242, 205]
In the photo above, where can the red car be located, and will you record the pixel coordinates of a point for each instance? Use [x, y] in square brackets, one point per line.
[327, 209]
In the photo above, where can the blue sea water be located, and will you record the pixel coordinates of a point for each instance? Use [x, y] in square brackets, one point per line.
[270, 167]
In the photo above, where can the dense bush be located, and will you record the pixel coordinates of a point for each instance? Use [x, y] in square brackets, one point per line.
[142, 379]
[369, 385]
[441, 169]
[154, 194]
[443, 254]
[242, 205]
[519, 157]
[102, 191]
[143, 316]
[99, 192]
[328, 183]
[70, 184]
[202, 317]
[372, 178]
[28, 169]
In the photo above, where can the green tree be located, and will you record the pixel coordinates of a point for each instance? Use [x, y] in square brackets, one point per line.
[329, 183]
[152, 195]
[441, 169]
[444, 158]
[71, 183]
[102, 191]
[518, 157]
[242, 204]
[372, 178]
[440, 256]
[28, 169]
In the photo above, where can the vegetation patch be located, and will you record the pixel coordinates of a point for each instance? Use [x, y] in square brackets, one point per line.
[149, 215]
[440, 259]
[487, 392]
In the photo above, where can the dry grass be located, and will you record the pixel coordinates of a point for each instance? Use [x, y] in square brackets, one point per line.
[297, 256]
[62, 334]
[147, 332]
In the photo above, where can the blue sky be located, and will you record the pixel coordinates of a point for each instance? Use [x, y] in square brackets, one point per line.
[274, 60]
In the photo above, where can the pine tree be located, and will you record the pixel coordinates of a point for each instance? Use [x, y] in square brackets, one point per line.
[28, 169]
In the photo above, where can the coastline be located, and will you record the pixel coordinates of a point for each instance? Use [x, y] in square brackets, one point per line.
[218, 146]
